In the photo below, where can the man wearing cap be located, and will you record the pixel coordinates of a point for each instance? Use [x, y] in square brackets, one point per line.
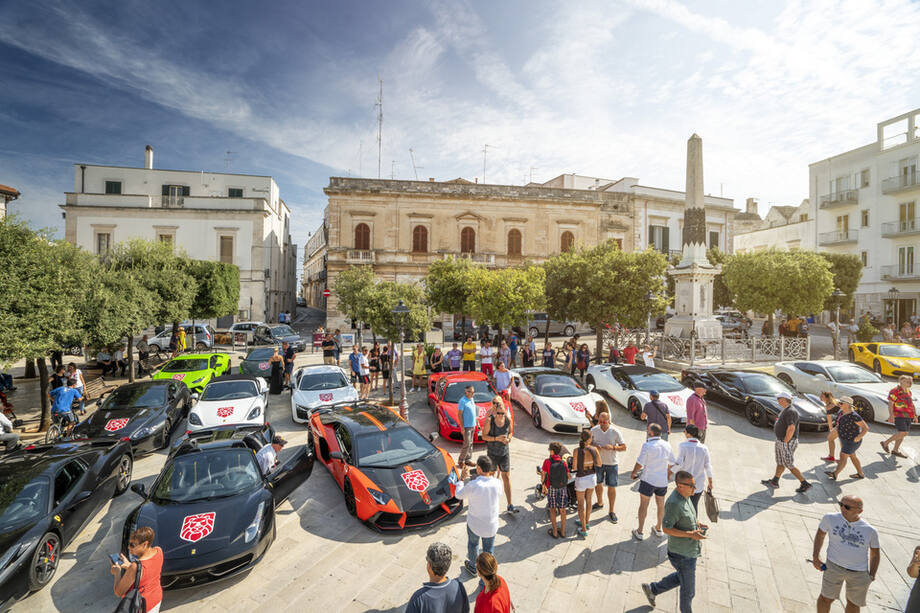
[697, 412]
[786, 430]
[656, 412]
[268, 455]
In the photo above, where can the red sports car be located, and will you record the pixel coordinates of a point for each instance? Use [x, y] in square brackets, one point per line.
[444, 393]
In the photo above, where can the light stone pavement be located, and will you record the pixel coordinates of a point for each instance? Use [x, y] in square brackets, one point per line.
[755, 558]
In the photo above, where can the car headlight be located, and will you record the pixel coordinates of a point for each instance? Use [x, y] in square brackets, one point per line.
[253, 529]
[199, 380]
[381, 497]
[142, 432]
[194, 419]
[450, 420]
[255, 412]
[553, 413]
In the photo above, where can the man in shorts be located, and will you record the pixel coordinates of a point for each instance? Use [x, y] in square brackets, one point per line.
[901, 412]
[852, 555]
[786, 430]
[655, 460]
[468, 412]
[329, 350]
[364, 374]
[62, 399]
[555, 473]
[486, 353]
[608, 441]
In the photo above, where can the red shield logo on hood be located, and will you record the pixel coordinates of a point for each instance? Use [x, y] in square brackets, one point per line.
[676, 400]
[224, 411]
[416, 480]
[578, 406]
[196, 527]
[178, 377]
[263, 365]
[114, 425]
[325, 397]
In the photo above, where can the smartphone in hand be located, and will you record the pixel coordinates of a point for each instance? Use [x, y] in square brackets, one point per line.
[115, 558]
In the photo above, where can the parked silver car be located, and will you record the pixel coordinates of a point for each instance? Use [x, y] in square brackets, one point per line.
[537, 326]
[204, 338]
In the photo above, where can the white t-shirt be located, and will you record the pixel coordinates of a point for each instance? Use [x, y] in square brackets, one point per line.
[266, 458]
[648, 359]
[364, 364]
[78, 377]
[485, 354]
[655, 457]
[611, 437]
[483, 497]
[848, 543]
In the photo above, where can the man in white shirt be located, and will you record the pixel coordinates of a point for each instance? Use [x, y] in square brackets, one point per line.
[693, 457]
[655, 460]
[485, 358]
[267, 457]
[364, 374]
[608, 441]
[483, 496]
[8, 437]
[648, 356]
[853, 555]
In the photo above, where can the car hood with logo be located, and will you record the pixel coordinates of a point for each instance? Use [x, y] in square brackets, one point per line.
[311, 399]
[572, 408]
[114, 423]
[417, 487]
[221, 412]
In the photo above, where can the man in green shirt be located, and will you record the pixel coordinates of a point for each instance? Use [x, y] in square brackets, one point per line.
[684, 536]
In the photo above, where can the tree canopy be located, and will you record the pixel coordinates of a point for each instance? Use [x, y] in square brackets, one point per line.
[790, 281]
[353, 288]
[504, 298]
[847, 270]
[217, 288]
[449, 284]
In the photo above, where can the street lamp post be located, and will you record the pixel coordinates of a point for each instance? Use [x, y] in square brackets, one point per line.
[838, 295]
[893, 299]
[401, 311]
[649, 297]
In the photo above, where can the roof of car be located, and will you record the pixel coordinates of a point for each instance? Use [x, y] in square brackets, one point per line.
[366, 417]
[217, 437]
[539, 370]
[313, 368]
[48, 455]
[146, 383]
[235, 377]
[731, 371]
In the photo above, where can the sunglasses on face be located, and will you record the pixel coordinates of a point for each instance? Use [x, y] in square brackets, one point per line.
[686, 484]
[849, 507]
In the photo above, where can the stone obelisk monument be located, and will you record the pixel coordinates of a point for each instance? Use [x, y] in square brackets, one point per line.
[694, 275]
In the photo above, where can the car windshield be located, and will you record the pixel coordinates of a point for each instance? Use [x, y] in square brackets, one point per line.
[24, 498]
[899, 351]
[186, 365]
[208, 474]
[322, 381]
[260, 354]
[482, 391]
[658, 381]
[229, 390]
[848, 373]
[558, 386]
[391, 447]
[762, 385]
[283, 331]
[131, 397]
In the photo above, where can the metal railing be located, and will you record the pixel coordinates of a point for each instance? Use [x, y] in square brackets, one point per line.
[900, 182]
[838, 236]
[750, 349]
[896, 272]
[905, 226]
[842, 198]
[360, 256]
[172, 201]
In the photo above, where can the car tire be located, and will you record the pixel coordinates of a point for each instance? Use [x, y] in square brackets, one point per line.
[785, 379]
[535, 332]
[755, 414]
[167, 430]
[569, 331]
[864, 408]
[877, 367]
[634, 407]
[200, 346]
[536, 417]
[851, 356]
[350, 504]
[123, 477]
[45, 561]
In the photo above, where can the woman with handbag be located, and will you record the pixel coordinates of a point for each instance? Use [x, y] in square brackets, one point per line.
[140, 592]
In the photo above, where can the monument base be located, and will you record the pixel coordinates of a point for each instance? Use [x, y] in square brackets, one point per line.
[704, 328]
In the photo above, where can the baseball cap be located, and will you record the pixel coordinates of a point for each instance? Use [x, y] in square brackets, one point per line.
[785, 395]
[277, 440]
[654, 393]
[847, 399]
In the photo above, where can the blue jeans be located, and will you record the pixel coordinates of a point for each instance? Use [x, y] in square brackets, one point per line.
[472, 545]
[685, 577]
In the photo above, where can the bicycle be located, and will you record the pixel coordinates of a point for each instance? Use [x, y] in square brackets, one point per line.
[58, 431]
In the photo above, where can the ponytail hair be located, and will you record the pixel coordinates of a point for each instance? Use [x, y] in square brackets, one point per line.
[585, 437]
[488, 568]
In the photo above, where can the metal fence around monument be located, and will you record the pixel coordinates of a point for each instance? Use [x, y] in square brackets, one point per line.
[737, 349]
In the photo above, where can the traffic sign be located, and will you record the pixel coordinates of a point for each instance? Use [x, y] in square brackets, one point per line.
[326, 292]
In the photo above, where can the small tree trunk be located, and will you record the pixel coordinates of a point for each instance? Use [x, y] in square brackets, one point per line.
[463, 327]
[390, 380]
[43, 393]
[599, 356]
[30, 369]
[770, 320]
[546, 332]
[130, 338]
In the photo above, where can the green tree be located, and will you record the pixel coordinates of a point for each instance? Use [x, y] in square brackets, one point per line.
[217, 290]
[721, 297]
[449, 284]
[504, 298]
[353, 288]
[796, 282]
[847, 269]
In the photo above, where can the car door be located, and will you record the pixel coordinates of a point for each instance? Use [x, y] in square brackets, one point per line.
[73, 497]
[813, 378]
[342, 443]
[729, 387]
[290, 473]
[620, 385]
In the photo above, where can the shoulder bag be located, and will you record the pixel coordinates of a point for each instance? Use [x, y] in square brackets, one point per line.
[712, 506]
[132, 601]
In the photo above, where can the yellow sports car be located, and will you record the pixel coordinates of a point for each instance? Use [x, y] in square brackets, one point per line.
[891, 359]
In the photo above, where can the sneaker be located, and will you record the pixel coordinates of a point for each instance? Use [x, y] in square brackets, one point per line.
[829, 458]
[512, 508]
[613, 517]
[637, 535]
[597, 505]
[774, 482]
[647, 589]
[804, 487]
[582, 533]
[470, 567]
[657, 532]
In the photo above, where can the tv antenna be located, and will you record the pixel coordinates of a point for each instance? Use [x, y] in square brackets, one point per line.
[393, 169]
[229, 159]
[379, 107]
[485, 149]
[532, 168]
[414, 167]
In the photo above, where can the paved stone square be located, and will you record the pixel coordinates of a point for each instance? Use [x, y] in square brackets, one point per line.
[754, 559]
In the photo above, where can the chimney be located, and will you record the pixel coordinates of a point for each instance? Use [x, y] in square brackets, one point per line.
[431, 179]
[751, 206]
[148, 158]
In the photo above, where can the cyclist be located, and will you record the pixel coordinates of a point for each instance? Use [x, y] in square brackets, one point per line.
[62, 402]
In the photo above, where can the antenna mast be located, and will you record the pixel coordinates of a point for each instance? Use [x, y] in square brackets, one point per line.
[414, 167]
[393, 169]
[379, 106]
[229, 159]
[485, 148]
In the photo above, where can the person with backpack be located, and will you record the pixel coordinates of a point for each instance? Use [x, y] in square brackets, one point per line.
[656, 412]
[497, 436]
[149, 560]
[555, 473]
[586, 458]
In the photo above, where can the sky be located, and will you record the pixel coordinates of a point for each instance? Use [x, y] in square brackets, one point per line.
[610, 89]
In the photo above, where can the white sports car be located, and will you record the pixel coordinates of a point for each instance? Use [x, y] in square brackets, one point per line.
[868, 390]
[555, 400]
[316, 386]
[231, 399]
[630, 385]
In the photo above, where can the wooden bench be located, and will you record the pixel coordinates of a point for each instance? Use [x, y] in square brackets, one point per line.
[96, 388]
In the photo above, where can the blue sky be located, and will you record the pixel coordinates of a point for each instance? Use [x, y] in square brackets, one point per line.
[610, 89]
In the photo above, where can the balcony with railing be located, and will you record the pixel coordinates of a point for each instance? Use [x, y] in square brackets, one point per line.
[360, 256]
[897, 272]
[845, 197]
[480, 258]
[838, 237]
[905, 227]
[901, 183]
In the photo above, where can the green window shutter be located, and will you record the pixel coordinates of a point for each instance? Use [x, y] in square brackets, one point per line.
[665, 240]
[165, 190]
[185, 190]
[650, 241]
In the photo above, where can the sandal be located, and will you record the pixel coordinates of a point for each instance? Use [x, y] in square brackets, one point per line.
[597, 505]
[857, 476]
[550, 532]
[830, 475]
[898, 454]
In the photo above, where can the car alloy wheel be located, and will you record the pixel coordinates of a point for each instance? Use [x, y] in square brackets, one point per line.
[350, 503]
[850, 355]
[44, 561]
[635, 407]
[534, 332]
[125, 468]
[537, 418]
[754, 413]
[200, 346]
[864, 408]
[569, 331]
[877, 366]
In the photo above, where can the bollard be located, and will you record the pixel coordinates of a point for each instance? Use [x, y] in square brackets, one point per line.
[692, 351]
[723, 350]
[753, 348]
[782, 348]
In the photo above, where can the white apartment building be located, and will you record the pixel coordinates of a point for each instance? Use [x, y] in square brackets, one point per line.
[784, 228]
[233, 218]
[867, 205]
[7, 195]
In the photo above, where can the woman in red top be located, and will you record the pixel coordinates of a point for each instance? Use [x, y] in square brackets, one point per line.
[140, 545]
[494, 596]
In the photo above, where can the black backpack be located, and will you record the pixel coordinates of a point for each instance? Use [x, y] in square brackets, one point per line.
[557, 476]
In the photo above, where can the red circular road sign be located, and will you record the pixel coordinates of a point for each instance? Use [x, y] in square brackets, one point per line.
[326, 292]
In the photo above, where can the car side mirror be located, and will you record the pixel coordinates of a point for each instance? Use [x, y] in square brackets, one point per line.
[337, 455]
[432, 437]
[138, 488]
[98, 403]
[84, 495]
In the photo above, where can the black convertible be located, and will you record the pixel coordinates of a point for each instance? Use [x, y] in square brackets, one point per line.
[755, 392]
[212, 508]
[145, 412]
[48, 493]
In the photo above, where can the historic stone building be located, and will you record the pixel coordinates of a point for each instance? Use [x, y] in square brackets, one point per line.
[400, 227]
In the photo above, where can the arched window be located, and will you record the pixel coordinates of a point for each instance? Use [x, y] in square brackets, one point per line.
[467, 240]
[419, 239]
[362, 236]
[514, 242]
[568, 241]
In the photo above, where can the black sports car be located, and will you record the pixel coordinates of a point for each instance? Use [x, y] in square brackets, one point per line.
[48, 493]
[256, 362]
[212, 508]
[755, 393]
[145, 412]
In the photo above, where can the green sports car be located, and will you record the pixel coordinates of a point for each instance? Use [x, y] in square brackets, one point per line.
[195, 369]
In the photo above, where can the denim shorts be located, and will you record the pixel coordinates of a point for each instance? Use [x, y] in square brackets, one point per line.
[849, 447]
[606, 475]
[902, 424]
